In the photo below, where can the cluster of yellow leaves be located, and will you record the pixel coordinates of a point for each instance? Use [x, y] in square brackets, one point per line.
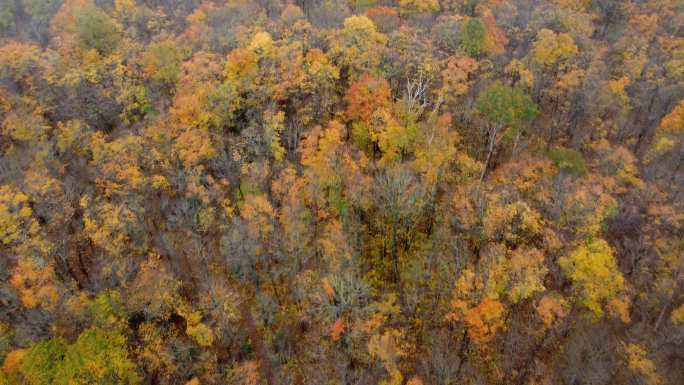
[575, 5]
[530, 177]
[13, 361]
[617, 89]
[15, 216]
[19, 60]
[675, 48]
[463, 291]
[527, 271]
[358, 47]
[61, 25]
[514, 222]
[273, 127]
[457, 77]
[195, 142]
[241, 67]
[67, 137]
[321, 152]
[119, 163]
[493, 276]
[292, 14]
[196, 33]
[641, 365]
[517, 69]
[25, 126]
[483, 320]
[201, 333]
[260, 216]
[550, 48]
[114, 227]
[124, 6]
[393, 138]
[319, 81]
[194, 146]
[419, 6]
[634, 57]
[10, 372]
[20, 235]
[384, 310]
[436, 150]
[677, 315]
[592, 269]
[34, 283]
[202, 107]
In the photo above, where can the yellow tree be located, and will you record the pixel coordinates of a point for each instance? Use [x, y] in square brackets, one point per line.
[592, 269]
[321, 155]
[550, 48]
[358, 46]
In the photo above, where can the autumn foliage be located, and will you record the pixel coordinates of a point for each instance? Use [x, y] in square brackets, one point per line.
[408, 192]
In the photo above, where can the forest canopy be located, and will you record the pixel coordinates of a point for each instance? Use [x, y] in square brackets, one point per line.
[447, 192]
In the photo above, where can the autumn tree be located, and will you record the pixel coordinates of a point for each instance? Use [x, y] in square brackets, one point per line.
[341, 192]
[96, 356]
[592, 269]
[357, 46]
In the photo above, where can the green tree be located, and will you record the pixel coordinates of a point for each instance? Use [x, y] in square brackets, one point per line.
[473, 37]
[97, 357]
[40, 363]
[96, 30]
[503, 106]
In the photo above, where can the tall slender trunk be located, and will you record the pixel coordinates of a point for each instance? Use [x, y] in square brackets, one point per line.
[490, 150]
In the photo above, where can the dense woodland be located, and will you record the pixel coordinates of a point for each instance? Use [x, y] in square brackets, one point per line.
[333, 192]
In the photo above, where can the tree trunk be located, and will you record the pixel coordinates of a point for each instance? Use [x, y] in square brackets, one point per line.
[490, 150]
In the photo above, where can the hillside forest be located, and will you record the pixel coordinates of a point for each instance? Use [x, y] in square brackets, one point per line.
[341, 192]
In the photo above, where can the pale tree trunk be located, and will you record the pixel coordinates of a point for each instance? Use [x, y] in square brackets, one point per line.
[492, 144]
